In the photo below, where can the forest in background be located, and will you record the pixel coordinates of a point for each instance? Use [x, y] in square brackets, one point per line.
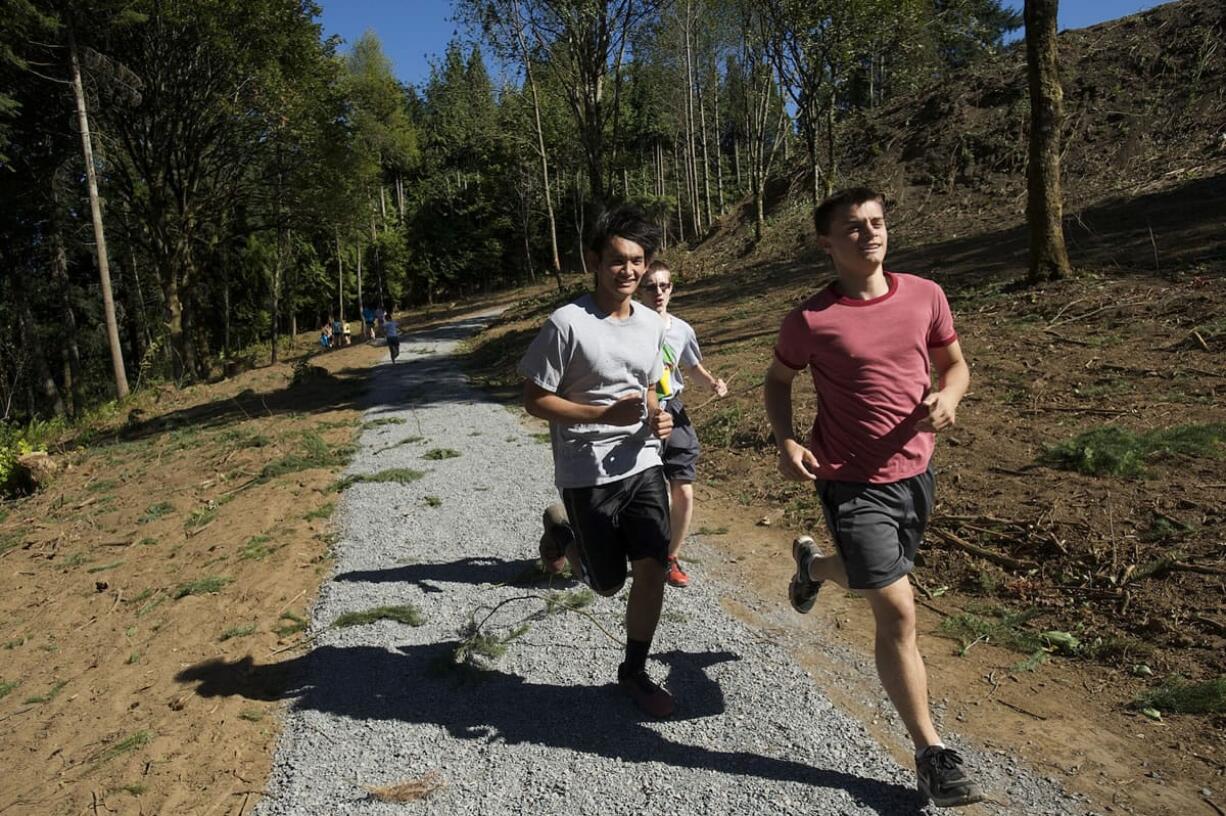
[253, 177]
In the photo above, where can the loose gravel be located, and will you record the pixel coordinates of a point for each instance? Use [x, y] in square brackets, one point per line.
[543, 729]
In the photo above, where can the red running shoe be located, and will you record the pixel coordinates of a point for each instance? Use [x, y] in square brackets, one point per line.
[675, 575]
[648, 696]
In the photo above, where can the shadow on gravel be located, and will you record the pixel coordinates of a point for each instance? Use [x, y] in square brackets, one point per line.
[474, 571]
[421, 684]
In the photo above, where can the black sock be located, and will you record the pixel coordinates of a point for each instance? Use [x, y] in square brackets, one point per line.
[636, 655]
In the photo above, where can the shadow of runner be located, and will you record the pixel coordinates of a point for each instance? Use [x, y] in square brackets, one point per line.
[476, 571]
[421, 684]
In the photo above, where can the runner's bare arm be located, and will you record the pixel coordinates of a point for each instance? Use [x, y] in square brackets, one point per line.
[796, 461]
[953, 378]
[715, 383]
[547, 405]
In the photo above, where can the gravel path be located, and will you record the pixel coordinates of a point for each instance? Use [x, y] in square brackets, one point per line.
[542, 729]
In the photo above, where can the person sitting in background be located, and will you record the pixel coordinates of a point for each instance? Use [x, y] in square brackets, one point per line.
[325, 335]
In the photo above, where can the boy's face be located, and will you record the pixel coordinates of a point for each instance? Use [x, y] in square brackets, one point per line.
[858, 238]
[619, 268]
[657, 289]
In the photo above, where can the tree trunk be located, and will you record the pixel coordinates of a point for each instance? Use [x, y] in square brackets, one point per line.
[677, 178]
[361, 302]
[30, 339]
[95, 208]
[70, 351]
[1044, 203]
[340, 280]
[276, 296]
[554, 259]
[706, 158]
[719, 164]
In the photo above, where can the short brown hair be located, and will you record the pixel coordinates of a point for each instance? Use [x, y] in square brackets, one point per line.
[851, 197]
[658, 265]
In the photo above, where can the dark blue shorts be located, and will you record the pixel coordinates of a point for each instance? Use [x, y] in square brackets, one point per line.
[877, 528]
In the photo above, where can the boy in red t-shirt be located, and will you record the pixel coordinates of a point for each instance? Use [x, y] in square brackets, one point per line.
[870, 340]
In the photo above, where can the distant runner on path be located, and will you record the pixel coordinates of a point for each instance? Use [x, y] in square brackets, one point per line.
[391, 330]
[870, 340]
[681, 354]
[591, 372]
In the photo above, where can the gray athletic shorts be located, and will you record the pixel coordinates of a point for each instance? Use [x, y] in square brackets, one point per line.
[877, 527]
[680, 453]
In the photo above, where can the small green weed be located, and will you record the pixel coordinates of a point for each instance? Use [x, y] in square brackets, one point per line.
[324, 511]
[201, 586]
[13, 644]
[256, 549]
[433, 501]
[396, 475]
[379, 423]
[1000, 627]
[401, 614]
[200, 517]
[156, 511]
[251, 715]
[6, 686]
[1038, 658]
[51, 694]
[236, 632]
[148, 541]
[568, 600]
[124, 746]
[437, 454]
[105, 567]
[135, 789]
[133, 659]
[1114, 451]
[315, 453]
[712, 531]
[102, 486]
[1178, 696]
[149, 607]
[295, 625]
[543, 438]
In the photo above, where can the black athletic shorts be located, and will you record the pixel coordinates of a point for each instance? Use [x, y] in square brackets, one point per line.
[877, 527]
[681, 449]
[618, 522]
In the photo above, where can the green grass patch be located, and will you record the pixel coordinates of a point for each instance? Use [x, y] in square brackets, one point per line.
[7, 686]
[156, 511]
[433, 501]
[1115, 451]
[148, 541]
[51, 694]
[126, 745]
[437, 454]
[998, 626]
[251, 715]
[401, 614]
[712, 531]
[200, 517]
[237, 632]
[324, 511]
[201, 586]
[1178, 696]
[293, 626]
[256, 549]
[102, 485]
[396, 475]
[243, 439]
[76, 560]
[105, 567]
[543, 438]
[150, 606]
[719, 429]
[135, 789]
[14, 643]
[315, 453]
[133, 659]
[569, 600]
[379, 423]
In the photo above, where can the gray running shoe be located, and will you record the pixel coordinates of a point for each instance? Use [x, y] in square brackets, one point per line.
[941, 779]
[802, 591]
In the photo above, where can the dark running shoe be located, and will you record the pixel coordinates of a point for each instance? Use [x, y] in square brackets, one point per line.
[557, 537]
[940, 778]
[655, 701]
[802, 591]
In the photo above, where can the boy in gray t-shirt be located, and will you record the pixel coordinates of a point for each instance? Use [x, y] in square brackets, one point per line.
[591, 372]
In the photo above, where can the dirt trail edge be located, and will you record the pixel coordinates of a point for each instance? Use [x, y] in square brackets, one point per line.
[380, 713]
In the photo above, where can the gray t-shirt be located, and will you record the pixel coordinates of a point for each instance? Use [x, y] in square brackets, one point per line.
[680, 350]
[584, 355]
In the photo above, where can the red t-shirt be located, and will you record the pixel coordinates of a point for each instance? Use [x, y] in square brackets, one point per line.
[870, 365]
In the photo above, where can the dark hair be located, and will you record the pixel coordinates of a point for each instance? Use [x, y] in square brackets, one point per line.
[628, 222]
[851, 197]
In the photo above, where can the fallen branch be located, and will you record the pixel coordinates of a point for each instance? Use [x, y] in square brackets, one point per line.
[1016, 564]
[1020, 710]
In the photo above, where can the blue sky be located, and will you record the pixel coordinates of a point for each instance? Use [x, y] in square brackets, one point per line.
[415, 31]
